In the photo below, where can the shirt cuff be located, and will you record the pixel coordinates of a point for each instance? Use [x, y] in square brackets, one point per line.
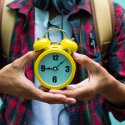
[118, 112]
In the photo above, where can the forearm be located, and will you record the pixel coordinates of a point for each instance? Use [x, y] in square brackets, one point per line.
[114, 92]
[4, 82]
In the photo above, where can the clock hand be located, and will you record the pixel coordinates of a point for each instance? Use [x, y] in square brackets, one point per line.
[60, 63]
[49, 68]
[55, 68]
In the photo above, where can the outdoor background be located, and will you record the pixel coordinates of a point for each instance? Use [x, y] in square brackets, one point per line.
[113, 120]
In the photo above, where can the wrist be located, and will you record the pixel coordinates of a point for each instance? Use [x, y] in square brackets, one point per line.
[114, 91]
[109, 84]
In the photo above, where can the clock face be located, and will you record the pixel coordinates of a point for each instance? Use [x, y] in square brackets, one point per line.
[55, 69]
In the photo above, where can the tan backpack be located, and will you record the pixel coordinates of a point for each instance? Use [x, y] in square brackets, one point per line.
[103, 16]
[7, 21]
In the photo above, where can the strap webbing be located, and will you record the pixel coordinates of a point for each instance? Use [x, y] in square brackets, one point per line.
[103, 17]
[1, 49]
[1, 13]
[111, 7]
[7, 28]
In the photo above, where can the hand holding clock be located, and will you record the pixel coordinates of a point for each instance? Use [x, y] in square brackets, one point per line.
[99, 81]
[14, 82]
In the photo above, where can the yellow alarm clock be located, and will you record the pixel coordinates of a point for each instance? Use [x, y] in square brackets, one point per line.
[55, 68]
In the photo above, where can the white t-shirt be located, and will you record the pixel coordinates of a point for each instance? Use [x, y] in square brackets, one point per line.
[43, 113]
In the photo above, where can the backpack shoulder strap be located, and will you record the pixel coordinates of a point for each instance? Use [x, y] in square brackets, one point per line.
[103, 17]
[7, 24]
[1, 49]
[1, 12]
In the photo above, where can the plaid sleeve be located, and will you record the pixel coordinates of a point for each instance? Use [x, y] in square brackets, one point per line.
[117, 58]
[117, 46]
[118, 112]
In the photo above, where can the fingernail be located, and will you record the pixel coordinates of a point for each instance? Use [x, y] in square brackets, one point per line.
[76, 55]
[72, 101]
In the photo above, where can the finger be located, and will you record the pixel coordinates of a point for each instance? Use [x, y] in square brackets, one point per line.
[86, 62]
[82, 59]
[58, 99]
[68, 93]
[43, 88]
[78, 91]
[74, 86]
[28, 57]
[38, 94]
[70, 87]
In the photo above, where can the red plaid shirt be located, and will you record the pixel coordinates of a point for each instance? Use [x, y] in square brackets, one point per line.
[17, 111]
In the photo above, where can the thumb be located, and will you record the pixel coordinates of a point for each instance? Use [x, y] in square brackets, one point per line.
[22, 61]
[86, 62]
[70, 87]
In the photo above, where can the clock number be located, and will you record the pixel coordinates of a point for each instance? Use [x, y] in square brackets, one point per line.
[54, 79]
[42, 68]
[67, 69]
[55, 57]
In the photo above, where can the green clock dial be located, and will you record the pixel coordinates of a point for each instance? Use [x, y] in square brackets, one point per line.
[54, 69]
